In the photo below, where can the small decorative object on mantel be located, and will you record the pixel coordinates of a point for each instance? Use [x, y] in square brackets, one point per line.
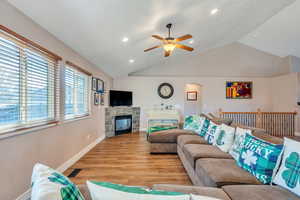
[238, 90]
[191, 96]
[94, 84]
[165, 90]
[96, 98]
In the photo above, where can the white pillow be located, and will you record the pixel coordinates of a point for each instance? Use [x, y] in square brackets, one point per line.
[110, 191]
[212, 132]
[48, 184]
[237, 145]
[198, 197]
[225, 137]
[288, 175]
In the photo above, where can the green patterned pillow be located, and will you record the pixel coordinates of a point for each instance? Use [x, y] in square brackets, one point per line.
[224, 138]
[213, 130]
[288, 175]
[204, 127]
[259, 158]
[48, 184]
[237, 145]
[110, 191]
[193, 123]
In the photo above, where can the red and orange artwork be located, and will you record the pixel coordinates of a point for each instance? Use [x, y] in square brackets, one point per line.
[238, 90]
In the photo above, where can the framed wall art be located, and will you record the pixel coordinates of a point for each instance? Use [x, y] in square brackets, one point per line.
[191, 96]
[100, 86]
[238, 90]
[96, 98]
[94, 84]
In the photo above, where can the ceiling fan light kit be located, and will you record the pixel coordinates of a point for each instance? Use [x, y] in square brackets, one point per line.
[169, 43]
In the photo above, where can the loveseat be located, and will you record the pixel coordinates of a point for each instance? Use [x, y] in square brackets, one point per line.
[166, 141]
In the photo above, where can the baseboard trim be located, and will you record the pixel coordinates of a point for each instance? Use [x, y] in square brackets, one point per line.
[67, 164]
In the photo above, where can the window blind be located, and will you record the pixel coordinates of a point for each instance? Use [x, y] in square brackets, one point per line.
[28, 84]
[77, 102]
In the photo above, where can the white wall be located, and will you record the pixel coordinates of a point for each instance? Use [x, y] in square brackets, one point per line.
[213, 93]
[285, 94]
[52, 146]
[192, 107]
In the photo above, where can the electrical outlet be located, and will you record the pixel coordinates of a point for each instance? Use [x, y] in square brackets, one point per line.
[88, 136]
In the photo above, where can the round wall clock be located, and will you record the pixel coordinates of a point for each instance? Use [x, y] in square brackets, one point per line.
[165, 90]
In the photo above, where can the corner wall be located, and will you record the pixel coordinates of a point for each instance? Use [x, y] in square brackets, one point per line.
[52, 146]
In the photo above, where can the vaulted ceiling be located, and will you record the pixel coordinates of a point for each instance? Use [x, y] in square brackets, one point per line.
[95, 28]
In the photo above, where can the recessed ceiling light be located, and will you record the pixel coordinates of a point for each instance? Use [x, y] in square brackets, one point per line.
[191, 41]
[125, 39]
[131, 61]
[214, 11]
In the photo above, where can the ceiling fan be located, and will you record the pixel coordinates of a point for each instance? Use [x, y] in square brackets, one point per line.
[169, 43]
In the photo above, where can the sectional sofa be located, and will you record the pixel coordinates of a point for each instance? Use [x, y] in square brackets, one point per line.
[212, 170]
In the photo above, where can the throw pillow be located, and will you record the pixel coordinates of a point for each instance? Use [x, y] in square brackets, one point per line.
[237, 145]
[48, 184]
[225, 137]
[193, 123]
[259, 157]
[204, 127]
[288, 175]
[213, 129]
[110, 191]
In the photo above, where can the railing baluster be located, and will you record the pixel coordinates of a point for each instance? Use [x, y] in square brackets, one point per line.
[275, 123]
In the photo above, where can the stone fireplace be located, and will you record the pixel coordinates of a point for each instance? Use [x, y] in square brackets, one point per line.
[121, 119]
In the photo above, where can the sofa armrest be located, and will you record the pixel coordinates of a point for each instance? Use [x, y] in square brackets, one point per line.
[85, 191]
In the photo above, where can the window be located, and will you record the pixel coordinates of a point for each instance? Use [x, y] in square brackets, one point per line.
[76, 83]
[28, 80]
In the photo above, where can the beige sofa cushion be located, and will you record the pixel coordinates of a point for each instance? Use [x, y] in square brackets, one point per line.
[204, 191]
[193, 152]
[258, 192]
[190, 139]
[168, 136]
[220, 172]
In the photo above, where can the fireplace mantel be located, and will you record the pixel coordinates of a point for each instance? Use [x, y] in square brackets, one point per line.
[112, 112]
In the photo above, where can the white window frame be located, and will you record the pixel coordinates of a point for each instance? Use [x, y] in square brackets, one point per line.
[75, 116]
[24, 124]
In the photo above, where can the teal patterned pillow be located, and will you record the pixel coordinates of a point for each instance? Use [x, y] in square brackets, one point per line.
[212, 132]
[193, 123]
[288, 175]
[204, 127]
[48, 184]
[259, 158]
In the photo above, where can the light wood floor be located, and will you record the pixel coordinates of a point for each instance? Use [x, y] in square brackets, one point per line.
[126, 160]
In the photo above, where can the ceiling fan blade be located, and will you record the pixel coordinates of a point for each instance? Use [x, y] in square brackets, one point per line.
[185, 37]
[167, 53]
[158, 37]
[152, 48]
[181, 46]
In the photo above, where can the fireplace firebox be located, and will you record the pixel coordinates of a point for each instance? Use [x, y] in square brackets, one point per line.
[123, 124]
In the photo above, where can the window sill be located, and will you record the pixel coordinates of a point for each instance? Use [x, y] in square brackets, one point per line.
[16, 132]
[26, 131]
[66, 121]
